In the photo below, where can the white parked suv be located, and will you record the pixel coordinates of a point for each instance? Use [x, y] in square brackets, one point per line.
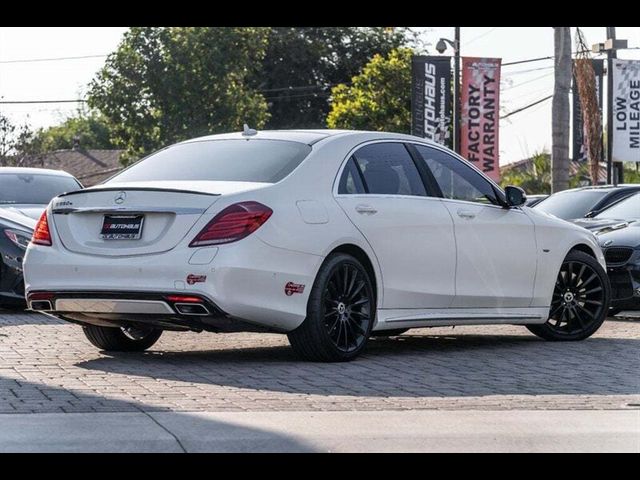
[328, 236]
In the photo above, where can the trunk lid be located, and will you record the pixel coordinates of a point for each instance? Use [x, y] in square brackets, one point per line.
[169, 210]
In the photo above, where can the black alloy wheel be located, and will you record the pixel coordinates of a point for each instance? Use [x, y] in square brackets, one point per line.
[340, 312]
[347, 308]
[580, 301]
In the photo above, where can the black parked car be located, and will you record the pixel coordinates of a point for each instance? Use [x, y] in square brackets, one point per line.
[29, 190]
[585, 201]
[618, 232]
[15, 234]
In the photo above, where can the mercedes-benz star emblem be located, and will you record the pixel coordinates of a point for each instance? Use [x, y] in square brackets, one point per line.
[120, 198]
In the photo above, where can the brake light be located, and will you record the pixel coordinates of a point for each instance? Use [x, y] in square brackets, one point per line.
[183, 299]
[41, 234]
[232, 224]
[41, 296]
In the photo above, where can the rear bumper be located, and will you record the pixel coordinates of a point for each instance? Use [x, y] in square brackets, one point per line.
[160, 310]
[245, 280]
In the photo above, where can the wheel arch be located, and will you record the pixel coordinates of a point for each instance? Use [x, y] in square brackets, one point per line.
[583, 247]
[362, 256]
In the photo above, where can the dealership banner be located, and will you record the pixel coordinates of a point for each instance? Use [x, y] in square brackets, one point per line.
[480, 119]
[626, 110]
[431, 109]
[579, 137]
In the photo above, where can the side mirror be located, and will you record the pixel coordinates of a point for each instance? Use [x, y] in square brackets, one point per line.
[515, 196]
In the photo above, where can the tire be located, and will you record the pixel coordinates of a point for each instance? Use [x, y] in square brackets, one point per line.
[113, 339]
[389, 333]
[579, 315]
[340, 312]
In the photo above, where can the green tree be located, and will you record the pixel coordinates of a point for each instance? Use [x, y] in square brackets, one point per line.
[166, 84]
[379, 98]
[302, 64]
[15, 144]
[535, 179]
[91, 130]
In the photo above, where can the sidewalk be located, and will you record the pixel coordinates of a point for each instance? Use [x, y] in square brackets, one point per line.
[382, 431]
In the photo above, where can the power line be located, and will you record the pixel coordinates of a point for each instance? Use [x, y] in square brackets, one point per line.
[528, 70]
[478, 37]
[528, 81]
[539, 59]
[56, 59]
[21, 102]
[526, 107]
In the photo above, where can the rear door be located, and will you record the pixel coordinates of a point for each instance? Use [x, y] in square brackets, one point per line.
[496, 246]
[383, 194]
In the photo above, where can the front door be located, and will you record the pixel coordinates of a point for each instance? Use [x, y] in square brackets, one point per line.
[496, 247]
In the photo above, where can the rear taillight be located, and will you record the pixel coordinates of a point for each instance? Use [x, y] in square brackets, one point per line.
[233, 223]
[41, 234]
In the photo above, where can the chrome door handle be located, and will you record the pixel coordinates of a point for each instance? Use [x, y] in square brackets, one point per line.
[466, 214]
[366, 209]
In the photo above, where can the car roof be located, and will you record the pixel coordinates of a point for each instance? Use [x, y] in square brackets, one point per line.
[34, 171]
[605, 188]
[306, 136]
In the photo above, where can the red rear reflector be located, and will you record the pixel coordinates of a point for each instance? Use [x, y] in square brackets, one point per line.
[232, 224]
[41, 234]
[41, 296]
[183, 299]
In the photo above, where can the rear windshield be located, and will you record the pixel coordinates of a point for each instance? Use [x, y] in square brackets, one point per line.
[28, 188]
[266, 161]
[571, 205]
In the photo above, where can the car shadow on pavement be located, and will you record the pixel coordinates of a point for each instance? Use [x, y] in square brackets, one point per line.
[18, 316]
[411, 365]
[146, 432]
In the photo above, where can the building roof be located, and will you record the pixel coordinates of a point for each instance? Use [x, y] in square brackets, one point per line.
[574, 168]
[88, 166]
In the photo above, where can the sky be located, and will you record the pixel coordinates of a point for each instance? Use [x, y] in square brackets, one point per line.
[521, 135]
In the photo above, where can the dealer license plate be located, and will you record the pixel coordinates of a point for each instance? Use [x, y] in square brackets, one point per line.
[122, 227]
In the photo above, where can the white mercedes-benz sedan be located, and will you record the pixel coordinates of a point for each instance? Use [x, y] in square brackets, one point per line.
[328, 236]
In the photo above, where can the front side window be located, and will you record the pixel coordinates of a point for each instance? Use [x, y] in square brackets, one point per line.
[456, 180]
[255, 160]
[388, 169]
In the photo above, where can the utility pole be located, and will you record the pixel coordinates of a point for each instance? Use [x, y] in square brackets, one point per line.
[560, 109]
[456, 93]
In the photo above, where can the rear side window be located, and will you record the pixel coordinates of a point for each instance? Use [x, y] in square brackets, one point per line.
[388, 169]
[350, 182]
[266, 161]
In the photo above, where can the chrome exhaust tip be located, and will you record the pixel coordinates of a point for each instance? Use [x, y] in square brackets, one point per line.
[191, 309]
[40, 305]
